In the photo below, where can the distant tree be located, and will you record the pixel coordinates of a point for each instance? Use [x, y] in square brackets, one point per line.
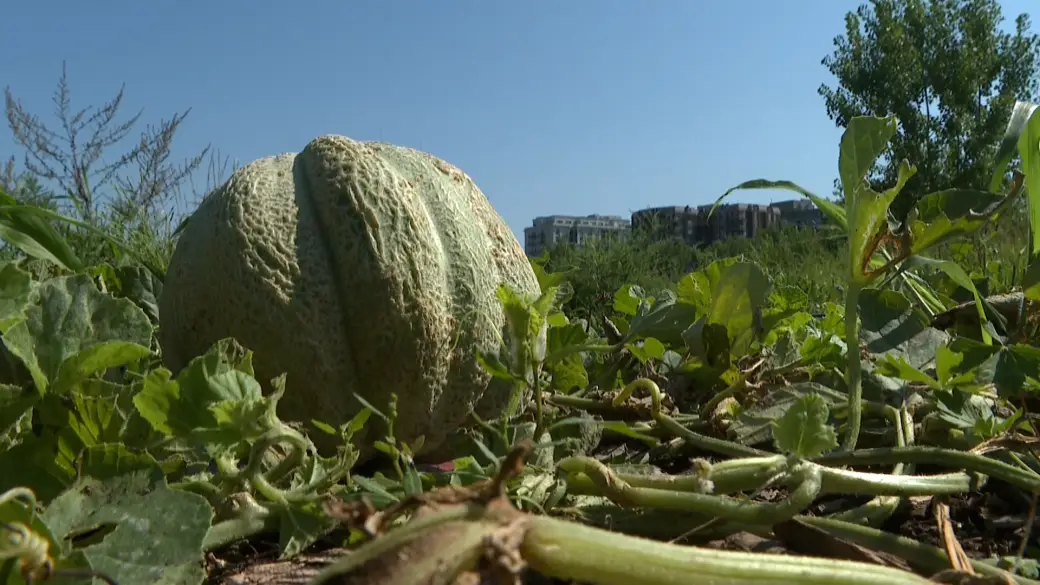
[950, 75]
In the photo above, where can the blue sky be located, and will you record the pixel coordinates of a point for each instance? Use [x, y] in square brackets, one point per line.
[575, 107]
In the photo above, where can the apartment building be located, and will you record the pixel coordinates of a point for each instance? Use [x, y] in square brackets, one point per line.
[694, 226]
[800, 212]
[690, 224]
[548, 230]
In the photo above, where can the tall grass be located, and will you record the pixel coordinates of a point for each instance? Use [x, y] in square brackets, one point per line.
[810, 260]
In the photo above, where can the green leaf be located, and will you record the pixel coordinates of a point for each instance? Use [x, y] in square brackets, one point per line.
[1016, 363]
[803, 430]
[785, 352]
[301, 524]
[412, 482]
[210, 401]
[833, 211]
[951, 213]
[72, 331]
[891, 324]
[33, 462]
[710, 343]
[15, 414]
[738, 299]
[647, 350]
[324, 427]
[16, 511]
[628, 298]
[497, 368]
[546, 280]
[870, 213]
[947, 368]
[756, 424]
[112, 460]
[154, 533]
[863, 141]
[1020, 117]
[1029, 150]
[562, 360]
[15, 288]
[896, 366]
[563, 341]
[380, 496]
[664, 320]
[24, 227]
[824, 351]
[143, 287]
[963, 410]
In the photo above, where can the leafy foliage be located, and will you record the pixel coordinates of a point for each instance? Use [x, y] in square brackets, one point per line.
[728, 366]
[950, 75]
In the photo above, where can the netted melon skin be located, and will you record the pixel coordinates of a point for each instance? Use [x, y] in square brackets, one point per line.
[352, 267]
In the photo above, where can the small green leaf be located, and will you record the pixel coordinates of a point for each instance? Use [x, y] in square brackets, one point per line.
[324, 427]
[300, 525]
[360, 419]
[381, 497]
[665, 320]
[412, 482]
[628, 298]
[803, 430]
[648, 349]
[896, 366]
[385, 448]
[947, 368]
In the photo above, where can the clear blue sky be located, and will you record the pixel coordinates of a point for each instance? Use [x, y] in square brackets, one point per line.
[566, 107]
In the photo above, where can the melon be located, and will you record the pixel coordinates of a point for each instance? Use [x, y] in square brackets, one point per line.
[352, 267]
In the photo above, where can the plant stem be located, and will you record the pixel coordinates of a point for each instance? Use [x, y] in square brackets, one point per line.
[567, 550]
[853, 373]
[1027, 480]
[922, 555]
[224, 533]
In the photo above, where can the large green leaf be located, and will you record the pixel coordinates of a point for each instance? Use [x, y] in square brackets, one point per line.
[1020, 116]
[804, 430]
[16, 511]
[891, 325]
[210, 401]
[1029, 150]
[951, 213]
[154, 533]
[862, 143]
[738, 299]
[73, 331]
[25, 227]
[15, 288]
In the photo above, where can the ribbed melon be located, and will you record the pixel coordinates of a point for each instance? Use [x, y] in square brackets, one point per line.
[352, 267]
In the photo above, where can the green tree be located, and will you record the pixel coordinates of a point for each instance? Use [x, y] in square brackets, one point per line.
[949, 73]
